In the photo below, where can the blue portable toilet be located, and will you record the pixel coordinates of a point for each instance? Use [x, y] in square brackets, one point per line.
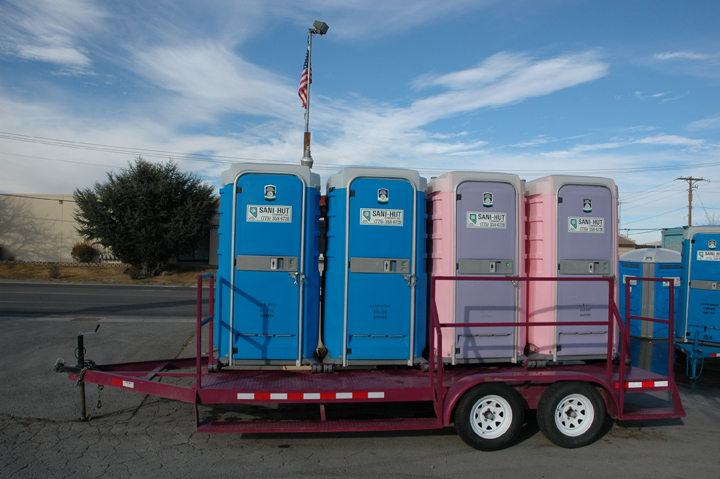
[647, 298]
[672, 238]
[700, 297]
[375, 284]
[651, 355]
[268, 281]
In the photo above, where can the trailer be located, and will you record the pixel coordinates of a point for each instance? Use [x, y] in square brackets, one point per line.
[486, 404]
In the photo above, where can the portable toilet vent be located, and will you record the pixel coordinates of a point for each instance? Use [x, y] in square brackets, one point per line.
[572, 233]
[267, 308]
[700, 297]
[650, 299]
[375, 284]
[478, 229]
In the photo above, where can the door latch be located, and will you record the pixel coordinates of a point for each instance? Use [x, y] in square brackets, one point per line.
[411, 279]
[298, 278]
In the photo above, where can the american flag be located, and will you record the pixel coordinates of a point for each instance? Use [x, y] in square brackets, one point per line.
[305, 80]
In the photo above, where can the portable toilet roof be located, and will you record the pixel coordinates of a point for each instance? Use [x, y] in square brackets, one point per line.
[652, 255]
[345, 176]
[311, 179]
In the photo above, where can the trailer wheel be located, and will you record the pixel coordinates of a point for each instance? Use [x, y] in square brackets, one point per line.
[571, 414]
[489, 416]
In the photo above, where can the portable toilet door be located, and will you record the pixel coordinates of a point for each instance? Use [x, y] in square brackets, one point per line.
[269, 278]
[650, 299]
[582, 242]
[700, 301]
[375, 279]
[479, 230]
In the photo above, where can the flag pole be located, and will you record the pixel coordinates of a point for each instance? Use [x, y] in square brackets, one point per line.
[306, 145]
[319, 28]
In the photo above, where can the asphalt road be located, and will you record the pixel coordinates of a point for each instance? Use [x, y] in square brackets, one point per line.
[137, 435]
[78, 302]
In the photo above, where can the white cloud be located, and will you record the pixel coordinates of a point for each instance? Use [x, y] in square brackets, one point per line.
[670, 140]
[49, 30]
[217, 80]
[367, 19]
[705, 124]
[501, 80]
[681, 56]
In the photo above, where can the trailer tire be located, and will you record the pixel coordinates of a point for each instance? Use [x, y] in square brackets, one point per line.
[489, 417]
[571, 414]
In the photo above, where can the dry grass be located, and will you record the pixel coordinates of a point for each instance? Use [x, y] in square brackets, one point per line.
[104, 275]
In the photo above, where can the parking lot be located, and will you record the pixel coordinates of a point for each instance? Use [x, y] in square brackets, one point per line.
[133, 434]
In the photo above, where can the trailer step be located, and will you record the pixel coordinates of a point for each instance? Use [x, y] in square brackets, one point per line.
[320, 426]
[653, 413]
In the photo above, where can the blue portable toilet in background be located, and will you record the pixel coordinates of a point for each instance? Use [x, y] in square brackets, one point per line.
[268, 281]
[700, 297]
[375, 284]
[672, 238]
[650, 299]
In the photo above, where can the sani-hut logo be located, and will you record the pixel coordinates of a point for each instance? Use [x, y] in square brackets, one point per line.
[383, 196]
[366, 214]
[253, 211]
[270, 192]
[587, 205]
[473, 218]
[487, 199]
[712, 244]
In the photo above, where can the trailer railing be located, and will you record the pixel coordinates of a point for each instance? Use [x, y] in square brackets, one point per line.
[202, 322]
[614, 319]
[671, 314]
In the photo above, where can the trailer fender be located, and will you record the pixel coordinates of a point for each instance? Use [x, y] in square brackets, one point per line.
[456, 391]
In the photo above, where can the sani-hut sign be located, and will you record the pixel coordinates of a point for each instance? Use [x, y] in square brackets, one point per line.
[371, 216]
[477, 219]
[269, 214]
[586, 225]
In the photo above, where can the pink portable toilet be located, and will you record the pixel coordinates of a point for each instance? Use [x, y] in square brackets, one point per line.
[478, 229]
[572, 232]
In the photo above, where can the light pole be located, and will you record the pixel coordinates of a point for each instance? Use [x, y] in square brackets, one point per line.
[319, 28]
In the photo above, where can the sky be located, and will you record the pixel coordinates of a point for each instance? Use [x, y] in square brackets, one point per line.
[628, 90]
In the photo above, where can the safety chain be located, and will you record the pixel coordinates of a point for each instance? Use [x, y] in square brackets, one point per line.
[89, 364]
[99, 403]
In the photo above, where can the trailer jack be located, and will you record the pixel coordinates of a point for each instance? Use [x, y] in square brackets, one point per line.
[80, 368]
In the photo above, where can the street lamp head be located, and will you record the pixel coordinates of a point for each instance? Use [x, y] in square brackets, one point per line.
[321, 28]
[307, 159]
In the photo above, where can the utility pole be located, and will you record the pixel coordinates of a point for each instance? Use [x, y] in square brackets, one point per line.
[691, 186]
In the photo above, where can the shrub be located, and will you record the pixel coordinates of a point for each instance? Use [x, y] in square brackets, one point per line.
[54, 272]
[83, 252]
[136, 272]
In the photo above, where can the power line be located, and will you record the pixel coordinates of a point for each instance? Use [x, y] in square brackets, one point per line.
[61, 200]
[220, 159]
[654, 216]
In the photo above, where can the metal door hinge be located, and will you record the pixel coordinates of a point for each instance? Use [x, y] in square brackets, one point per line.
[298, 278]
[411, 279]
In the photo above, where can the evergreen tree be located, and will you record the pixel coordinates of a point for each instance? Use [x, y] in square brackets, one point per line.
[146, 214]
